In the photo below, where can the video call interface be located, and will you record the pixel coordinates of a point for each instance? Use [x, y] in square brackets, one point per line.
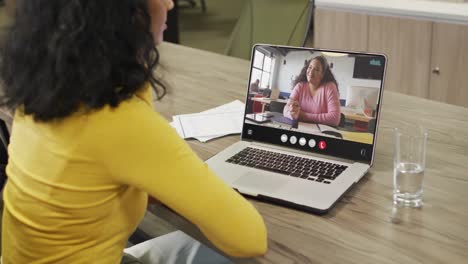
[329, 94]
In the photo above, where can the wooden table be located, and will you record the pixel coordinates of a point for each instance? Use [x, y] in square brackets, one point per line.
[264, 100]
[363, 227]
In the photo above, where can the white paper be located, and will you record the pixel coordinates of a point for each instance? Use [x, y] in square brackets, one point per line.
[210, 124]
[176, 125]
[308, 127]
[327, 128]
[205, 126]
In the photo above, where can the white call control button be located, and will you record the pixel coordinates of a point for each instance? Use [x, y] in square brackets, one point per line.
[302, 141]
[312, 143]
[293, 140]
[284, 138]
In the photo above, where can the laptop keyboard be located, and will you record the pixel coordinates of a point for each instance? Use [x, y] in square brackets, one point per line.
[307, 169]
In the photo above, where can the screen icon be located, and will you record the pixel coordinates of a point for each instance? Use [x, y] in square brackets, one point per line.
[302, 141]
[312, 143]
[284, 138]
[363, 152]
[322, 145]
[293, 140]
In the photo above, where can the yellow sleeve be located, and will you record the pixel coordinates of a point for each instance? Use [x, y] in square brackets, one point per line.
[140, 149]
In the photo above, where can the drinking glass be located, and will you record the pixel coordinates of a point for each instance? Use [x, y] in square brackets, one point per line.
[409, 166]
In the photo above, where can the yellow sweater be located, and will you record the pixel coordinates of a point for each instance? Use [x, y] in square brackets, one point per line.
[78, 188]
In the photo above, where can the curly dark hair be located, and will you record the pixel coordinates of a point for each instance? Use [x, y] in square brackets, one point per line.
[327, 76]
[60, 55]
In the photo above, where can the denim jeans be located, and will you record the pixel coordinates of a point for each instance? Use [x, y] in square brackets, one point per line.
[173, 248]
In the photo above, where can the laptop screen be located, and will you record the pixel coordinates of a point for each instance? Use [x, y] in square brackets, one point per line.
[315, 100]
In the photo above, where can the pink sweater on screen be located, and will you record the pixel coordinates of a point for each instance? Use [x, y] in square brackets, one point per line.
[322, 108]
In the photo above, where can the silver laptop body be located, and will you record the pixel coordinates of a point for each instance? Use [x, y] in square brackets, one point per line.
[277, 162]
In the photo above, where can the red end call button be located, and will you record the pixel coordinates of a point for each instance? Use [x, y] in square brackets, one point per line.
[322, 144]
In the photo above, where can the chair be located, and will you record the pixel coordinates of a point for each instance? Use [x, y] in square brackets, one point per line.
[257, 107]
[371, 125]
[266, 92]
[270, 21]
[342, 120]
[277, 107]
[4, 141]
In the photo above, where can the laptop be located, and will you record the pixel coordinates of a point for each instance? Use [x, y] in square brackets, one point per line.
[274, 94]
[302, 164]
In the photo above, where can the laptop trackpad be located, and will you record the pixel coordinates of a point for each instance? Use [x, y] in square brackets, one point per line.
[254, 183]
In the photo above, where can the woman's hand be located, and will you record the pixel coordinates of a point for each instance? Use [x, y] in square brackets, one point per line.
[294, 109]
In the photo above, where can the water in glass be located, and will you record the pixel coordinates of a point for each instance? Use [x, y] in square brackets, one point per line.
[408, 184]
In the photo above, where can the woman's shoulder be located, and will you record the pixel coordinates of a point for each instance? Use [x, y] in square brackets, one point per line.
[301, 86]
[330, 87]
[129, 115]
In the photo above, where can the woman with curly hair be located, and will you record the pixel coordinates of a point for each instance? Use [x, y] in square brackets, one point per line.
[87, 149]
[315, 95]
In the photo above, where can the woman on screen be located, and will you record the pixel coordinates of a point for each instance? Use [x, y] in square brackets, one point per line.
[87, 149]
[315, 95]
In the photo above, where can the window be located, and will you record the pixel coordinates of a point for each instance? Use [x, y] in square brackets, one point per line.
[262, 66]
